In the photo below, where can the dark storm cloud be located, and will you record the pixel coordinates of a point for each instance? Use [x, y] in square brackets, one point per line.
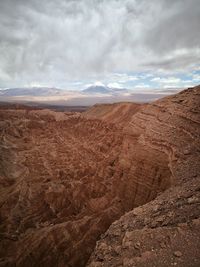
[51, 42]
[178, 27]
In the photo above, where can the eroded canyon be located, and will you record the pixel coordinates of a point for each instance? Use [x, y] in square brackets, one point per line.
[66, 177]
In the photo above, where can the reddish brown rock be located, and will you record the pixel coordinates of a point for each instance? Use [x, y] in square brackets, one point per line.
[164, 227]
[66, 177]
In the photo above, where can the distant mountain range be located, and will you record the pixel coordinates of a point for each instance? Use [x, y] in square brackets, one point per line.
[30, 91]
[97, 89]
[45, 91]
[89, 96]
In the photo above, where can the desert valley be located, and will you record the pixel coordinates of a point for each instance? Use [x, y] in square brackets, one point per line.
[115, 185]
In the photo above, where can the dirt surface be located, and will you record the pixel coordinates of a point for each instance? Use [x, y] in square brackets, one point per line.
[66, 177]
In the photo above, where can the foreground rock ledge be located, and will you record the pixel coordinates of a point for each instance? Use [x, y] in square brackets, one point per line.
[164, 232]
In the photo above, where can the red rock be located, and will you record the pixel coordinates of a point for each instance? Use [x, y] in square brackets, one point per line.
[66, 177]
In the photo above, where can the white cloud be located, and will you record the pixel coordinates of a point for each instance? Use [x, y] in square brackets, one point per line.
[115, 85]
[166, 86]
[156, 79]
[196, 77]
[56, 42]
[121, 77]
[142, 85]
[171, 80]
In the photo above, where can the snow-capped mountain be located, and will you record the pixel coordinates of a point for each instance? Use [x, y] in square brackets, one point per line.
[97, 89]
[103, 90]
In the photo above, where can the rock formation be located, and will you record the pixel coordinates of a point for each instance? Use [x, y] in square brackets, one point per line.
[118, 113]
[66, 177]
[164, 232]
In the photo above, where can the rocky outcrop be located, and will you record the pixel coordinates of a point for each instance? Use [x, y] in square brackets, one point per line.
[165, 231]
[64, 178]
[118, 113]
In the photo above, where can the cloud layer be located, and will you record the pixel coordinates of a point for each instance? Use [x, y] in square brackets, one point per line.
[60, 42]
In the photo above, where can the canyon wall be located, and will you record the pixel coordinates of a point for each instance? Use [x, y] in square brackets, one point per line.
[165, 231]
[65, 177]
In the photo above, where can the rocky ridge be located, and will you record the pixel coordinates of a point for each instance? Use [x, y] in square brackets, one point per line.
[117, 113]
[165, 231]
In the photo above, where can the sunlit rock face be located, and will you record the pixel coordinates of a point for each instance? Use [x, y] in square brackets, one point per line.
[65, 177]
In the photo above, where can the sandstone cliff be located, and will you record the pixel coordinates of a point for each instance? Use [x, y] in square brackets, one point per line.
[65, 177]
[164, 232]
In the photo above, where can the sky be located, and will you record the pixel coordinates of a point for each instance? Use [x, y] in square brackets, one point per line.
[71, 44]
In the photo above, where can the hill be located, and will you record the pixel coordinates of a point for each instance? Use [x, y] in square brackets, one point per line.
[118, 113]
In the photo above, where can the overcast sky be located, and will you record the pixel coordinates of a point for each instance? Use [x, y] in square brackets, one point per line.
[122, 43]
